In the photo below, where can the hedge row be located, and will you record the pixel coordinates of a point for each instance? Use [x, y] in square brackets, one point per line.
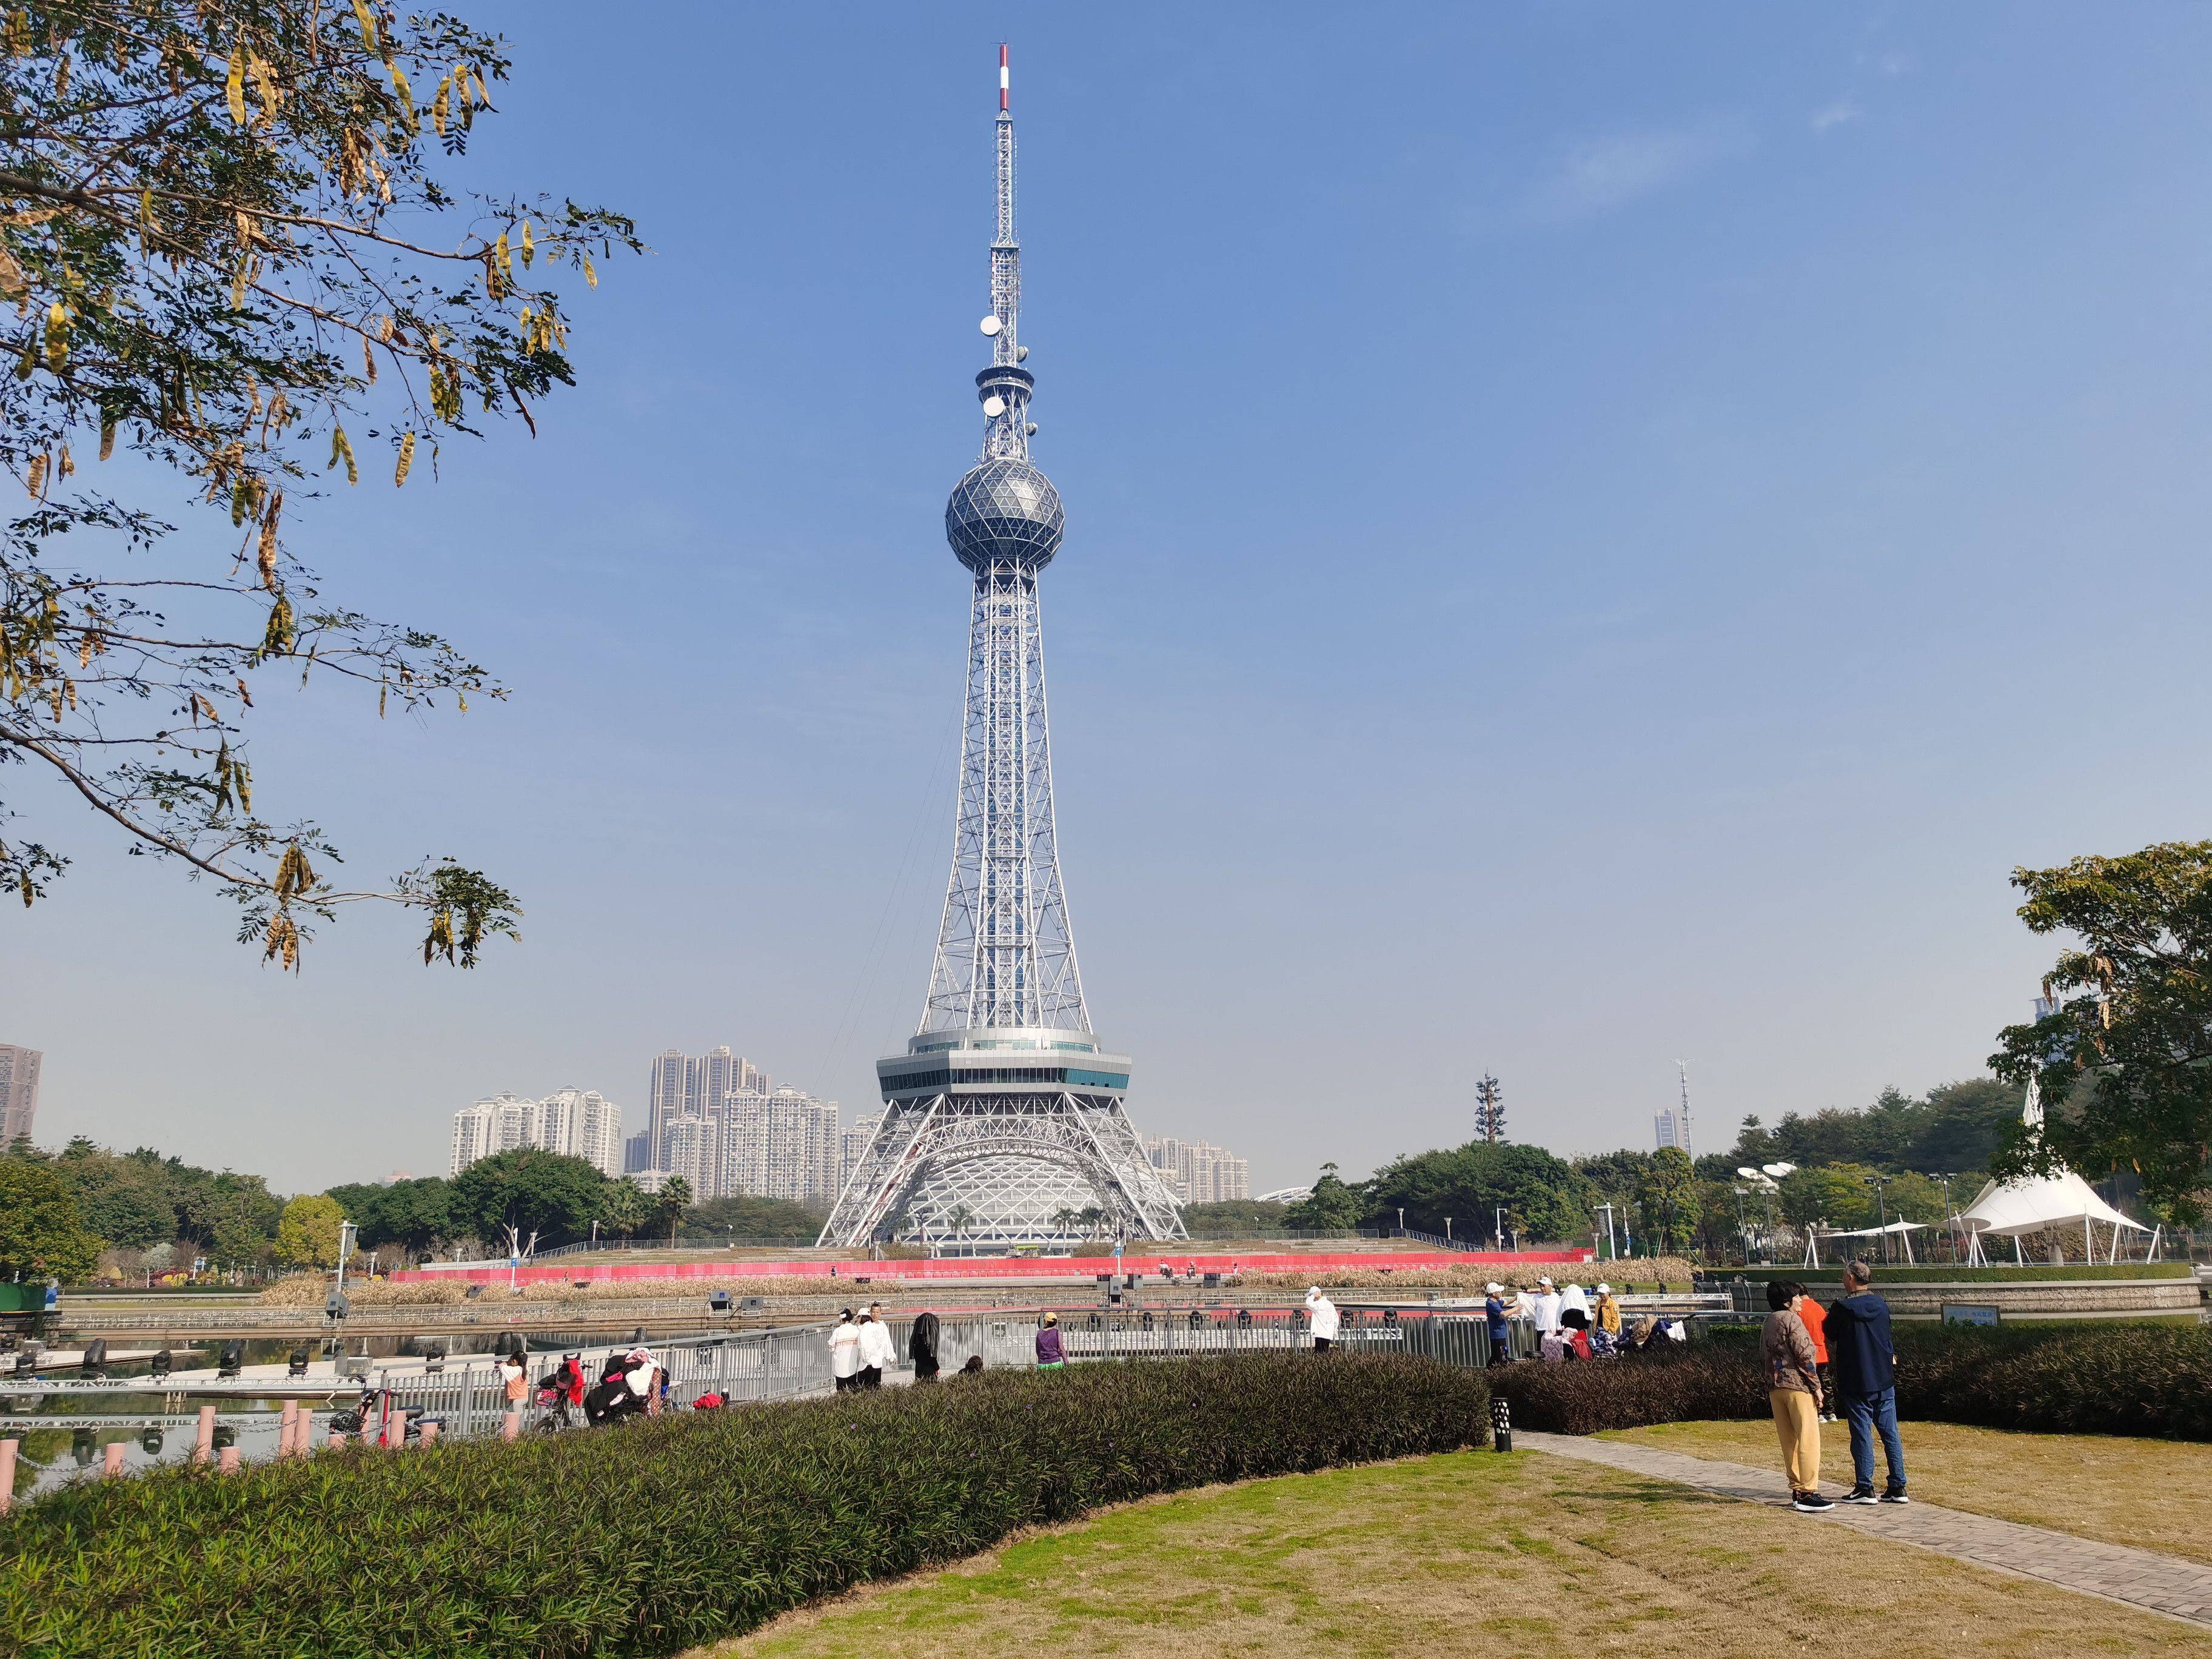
[661, 1535]
[2134, 1379]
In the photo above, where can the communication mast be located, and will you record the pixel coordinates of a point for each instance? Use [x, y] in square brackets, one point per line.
[1489, 1109]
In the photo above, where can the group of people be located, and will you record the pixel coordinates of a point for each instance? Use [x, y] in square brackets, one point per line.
[631, 1384]
[1813, 1358]
[1565, 1324]
[861, 1346]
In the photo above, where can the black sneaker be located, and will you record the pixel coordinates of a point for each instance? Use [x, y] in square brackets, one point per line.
[1895, 1495]
[1811, 1502]
[1861, 1495]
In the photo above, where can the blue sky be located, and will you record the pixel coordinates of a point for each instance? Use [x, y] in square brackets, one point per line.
[1596, 536]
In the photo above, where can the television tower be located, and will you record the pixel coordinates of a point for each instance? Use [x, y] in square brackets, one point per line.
[1004, 1117]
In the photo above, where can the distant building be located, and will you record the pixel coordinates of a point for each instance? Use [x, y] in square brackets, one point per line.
[19, 1091]
[855, 1142]
[667, 1101]
[783, 1144]
[637, 1152]
[579, 1122]
[1197, 1172]
[694, 1085]
[693, 1149]
[1672, 1129]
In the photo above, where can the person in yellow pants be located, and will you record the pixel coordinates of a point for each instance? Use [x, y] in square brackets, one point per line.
[1793, 1389]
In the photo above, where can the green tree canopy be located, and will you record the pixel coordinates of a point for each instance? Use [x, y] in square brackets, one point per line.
[552, 1194]
[224, 237]
[41, 1234]
[120, 1198]
[307, 1233]
[415, 1215]
[1541, 1194]
[1334, 1205]
[2124, 1058]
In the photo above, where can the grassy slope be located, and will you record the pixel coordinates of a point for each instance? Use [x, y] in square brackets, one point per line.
[2154, 1494]
[1464, 1554]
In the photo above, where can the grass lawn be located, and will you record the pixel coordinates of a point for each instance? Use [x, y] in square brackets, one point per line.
[2154, 1494]
[1472, 1554]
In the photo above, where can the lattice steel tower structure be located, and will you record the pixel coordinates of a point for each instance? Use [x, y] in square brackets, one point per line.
[1004, 1121]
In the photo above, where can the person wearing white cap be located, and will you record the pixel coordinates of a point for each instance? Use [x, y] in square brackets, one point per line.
[1493, 1315]
[1609, 1315]
[1547, 1308]
[1324, 1314]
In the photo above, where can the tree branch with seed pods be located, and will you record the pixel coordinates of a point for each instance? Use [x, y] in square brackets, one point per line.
[199, 267]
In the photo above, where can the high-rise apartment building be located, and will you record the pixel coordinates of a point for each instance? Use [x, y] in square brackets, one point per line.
[781, 1144]
[19, 1091]
[580, 1122]
[669, 1098]
[1197, 1172]
[854, 1142]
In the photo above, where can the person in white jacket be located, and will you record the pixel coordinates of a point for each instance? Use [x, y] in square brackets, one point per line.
[877, 1349]
[1322, 1312]
[845, 1353]
[1547, 1308]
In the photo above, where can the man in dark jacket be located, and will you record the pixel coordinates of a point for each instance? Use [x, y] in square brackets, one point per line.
[922, 1347]
[1864, 1362]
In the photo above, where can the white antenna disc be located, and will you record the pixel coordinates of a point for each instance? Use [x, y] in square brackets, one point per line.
[1746, 1172]
[1778, 1170]
[990, 326]
[994, 407]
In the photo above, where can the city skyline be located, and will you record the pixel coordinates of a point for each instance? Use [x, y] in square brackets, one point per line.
[1655, 661]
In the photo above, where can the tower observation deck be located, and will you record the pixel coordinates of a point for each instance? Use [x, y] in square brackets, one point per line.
[1003, 1121]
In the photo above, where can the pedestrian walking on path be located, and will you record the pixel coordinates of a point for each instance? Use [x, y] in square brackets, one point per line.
[1864, 1362]
[1322, 1312]
[1793, 1391]
[845, 1353]
[1051, 1356]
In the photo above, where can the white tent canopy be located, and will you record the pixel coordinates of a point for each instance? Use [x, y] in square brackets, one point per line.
[1903, 1230]
[2031, 1204]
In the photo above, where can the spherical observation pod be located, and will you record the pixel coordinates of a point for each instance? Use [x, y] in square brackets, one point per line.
[1005, 511]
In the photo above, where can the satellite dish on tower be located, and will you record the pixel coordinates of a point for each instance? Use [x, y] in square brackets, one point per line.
[990, 326]
[1778, 1170]
[994, 407]
[1748, 1172]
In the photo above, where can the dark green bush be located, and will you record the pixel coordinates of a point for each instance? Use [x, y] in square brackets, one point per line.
[2080, 1379]
[658, 1536]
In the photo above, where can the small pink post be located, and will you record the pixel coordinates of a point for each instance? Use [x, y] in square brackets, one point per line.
[337, 1439]
[430, 1434]
[510, 1426]
[287, 1428]
[395, 1431]
[111, 1460]
[204, 1448]
[228, 1465]
[7, 1474]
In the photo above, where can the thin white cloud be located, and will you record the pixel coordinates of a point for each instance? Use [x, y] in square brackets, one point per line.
[1836, 114]
[1604, 174]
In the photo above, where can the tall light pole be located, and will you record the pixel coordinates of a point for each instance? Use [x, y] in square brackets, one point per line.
[1880, 1184]
[1613, 1249]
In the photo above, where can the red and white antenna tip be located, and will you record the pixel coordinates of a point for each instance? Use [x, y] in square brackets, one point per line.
[1002, 76]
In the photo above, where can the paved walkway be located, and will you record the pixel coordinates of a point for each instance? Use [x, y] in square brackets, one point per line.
[2137, 1578]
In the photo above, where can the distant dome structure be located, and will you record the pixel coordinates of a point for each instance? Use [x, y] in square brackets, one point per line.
[1005, 511]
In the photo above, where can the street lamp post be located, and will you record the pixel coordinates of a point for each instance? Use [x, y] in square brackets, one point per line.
[1498, 1216]
[1448, 1221]
[1743, 1226]
[1880, 1183]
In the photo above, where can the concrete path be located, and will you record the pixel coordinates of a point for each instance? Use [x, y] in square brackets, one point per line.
[2137, 1578]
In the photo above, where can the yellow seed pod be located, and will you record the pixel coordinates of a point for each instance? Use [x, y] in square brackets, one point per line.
[406, 459]
[367, 22]
[529, 245]
[234, 84]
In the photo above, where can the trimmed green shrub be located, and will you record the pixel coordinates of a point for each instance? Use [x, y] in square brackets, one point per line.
[2132, 1379]
[661, 1535]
